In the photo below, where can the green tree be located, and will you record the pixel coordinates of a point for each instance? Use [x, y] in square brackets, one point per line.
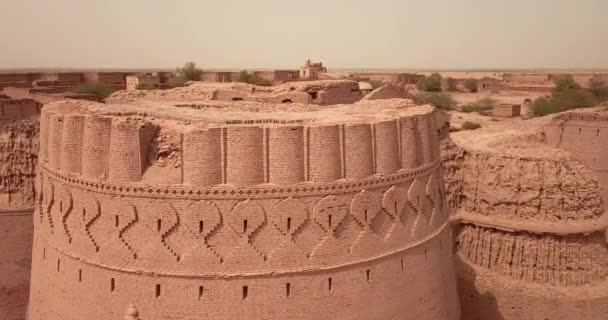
[452, 84]
[190, 72]
[251, 78]
[599, 88]
[439, 100]
[100, 90]
[564, 82]
[430, 83]
[471, 84]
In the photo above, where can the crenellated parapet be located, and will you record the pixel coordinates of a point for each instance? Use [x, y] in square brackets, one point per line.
[209, 200]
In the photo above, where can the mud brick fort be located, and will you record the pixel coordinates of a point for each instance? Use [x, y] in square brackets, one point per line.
[529, 206]
[243, 211]
[326, 198]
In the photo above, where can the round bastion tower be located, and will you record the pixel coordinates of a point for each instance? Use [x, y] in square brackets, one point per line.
[241, 211]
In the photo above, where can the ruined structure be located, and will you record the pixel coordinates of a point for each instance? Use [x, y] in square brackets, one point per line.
[387, 77]
[506, 110]
[528, 200]
[18, 160]
[388, 91]
[321, 92]
[245, 211]
[312, 70]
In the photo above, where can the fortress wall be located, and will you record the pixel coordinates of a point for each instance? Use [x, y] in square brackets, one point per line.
[229, 95]
[18, 160]
[284, 220]
[95, 146]
[573, 260]
[291, 97]
[387, 146]
[388, 91]
[485, 295]
[202, 157]
[339, 92]
[526, 78]
[583, 135]
[531, 231]
[295, 296]
[285, 155]
[506, 188]
[15, 109]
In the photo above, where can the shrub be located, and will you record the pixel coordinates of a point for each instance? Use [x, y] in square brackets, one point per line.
[468, 125]
[145, 86]
[566, 95]
[431, 83]
[190, 72]
[599, 89]
[471, 84]
[480, 106]
[439, 100]
[563, 101]
[100, 90]
[452, 84]
[564, 82]
[251, 78]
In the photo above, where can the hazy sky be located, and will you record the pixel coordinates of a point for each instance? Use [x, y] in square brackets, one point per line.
[283, 33]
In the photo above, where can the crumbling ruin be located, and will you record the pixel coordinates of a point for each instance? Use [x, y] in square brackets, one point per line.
[245, 212]
[18, 161]
[388, 91]
[320, 92]
[528, 200]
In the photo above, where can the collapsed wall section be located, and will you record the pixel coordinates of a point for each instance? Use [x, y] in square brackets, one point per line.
[18, 160]
[270, 213]
[531, 225]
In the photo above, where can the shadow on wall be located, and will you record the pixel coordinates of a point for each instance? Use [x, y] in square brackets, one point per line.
[475, 305]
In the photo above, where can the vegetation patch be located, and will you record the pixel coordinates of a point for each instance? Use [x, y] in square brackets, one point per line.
[567, 95]
[100, 90]
[469, 125]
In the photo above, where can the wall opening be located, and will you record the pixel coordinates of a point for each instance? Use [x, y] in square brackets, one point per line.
[58, 264]
[200, 227]
[159, 224]
[288, 224]
[329, 284]
[158, 290]
[61, 204]
[244, 226]
[286, 101]
[288, 289]
[237, 99]
[245, 292]
[116, 221]
[313, 94]
[368, 275]
[43, 253]
[329, 220]
[84, 213]
[112, 285]
[201, 291]
[79, 275]
[402, 265]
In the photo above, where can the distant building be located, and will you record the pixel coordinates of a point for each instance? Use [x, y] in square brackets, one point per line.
[312, 70]
[156, 80]
[504, 110]
[365, 87]
[387, 77]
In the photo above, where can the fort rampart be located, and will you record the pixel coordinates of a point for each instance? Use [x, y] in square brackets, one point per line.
[259, 215]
